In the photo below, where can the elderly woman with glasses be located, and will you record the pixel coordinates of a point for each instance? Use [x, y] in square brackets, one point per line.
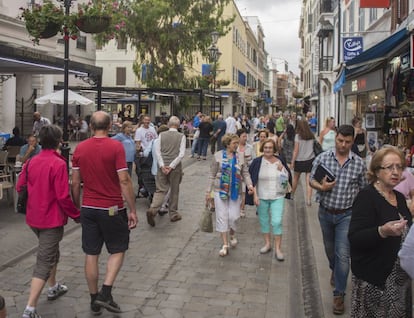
[271, 178]
[379, 224]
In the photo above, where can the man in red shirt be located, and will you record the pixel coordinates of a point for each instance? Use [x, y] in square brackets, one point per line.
[99, 162]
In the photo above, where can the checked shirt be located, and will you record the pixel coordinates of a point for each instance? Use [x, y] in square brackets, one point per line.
[350, 178]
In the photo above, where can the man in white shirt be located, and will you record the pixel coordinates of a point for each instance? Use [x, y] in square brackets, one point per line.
[39, 122]
[143, 137]
[231, 125]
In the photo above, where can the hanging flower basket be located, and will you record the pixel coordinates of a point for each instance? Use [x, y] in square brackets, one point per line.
[93, 24]
[51, 29]
[42, 21]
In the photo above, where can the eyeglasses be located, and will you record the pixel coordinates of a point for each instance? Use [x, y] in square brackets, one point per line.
[391, 168]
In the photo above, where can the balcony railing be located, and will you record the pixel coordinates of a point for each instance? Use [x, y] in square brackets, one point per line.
[326, 64]
[326, 6]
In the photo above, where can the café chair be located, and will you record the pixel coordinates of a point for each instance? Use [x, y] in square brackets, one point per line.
[6, 183]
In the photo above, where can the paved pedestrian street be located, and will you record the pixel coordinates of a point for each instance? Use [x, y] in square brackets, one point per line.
[174, 270]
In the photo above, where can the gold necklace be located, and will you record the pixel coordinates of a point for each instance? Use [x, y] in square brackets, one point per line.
[392, 201]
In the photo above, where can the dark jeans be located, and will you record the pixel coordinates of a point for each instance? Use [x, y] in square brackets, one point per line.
[213, 141]
[202, 146]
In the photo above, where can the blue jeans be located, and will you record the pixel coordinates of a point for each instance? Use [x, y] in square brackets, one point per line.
[202, 145]
[335, 239]
[194, 146]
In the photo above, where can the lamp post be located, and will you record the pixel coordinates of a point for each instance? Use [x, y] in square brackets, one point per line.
[65, 147]
[214, 54]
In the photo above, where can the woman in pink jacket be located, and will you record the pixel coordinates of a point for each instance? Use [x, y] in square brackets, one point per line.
[48, 207]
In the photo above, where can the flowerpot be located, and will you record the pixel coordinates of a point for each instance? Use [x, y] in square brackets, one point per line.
[93, 24]
[50, 30]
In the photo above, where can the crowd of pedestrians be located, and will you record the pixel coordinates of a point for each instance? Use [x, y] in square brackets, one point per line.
[364, 220]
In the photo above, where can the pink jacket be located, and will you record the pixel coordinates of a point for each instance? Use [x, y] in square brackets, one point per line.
[49, 204]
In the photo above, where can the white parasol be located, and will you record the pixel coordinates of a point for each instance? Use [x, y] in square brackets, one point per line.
[57, 98]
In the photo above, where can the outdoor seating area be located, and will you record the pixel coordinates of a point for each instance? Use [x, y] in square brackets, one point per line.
[6, 178]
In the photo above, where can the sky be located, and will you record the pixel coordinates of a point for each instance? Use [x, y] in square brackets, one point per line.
[280, 23]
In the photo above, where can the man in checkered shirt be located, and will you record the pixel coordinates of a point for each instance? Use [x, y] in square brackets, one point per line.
[335, 199]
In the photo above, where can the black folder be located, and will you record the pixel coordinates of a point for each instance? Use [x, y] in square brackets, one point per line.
[322, 171]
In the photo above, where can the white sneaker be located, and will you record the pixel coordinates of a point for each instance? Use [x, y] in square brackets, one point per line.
[30, 314]
[233, 241]
[55, 293]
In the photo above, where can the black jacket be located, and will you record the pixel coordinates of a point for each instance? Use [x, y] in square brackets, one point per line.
[372, 257]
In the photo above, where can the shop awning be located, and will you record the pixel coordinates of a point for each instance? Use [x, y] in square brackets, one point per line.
[16, 59]
[379, 51]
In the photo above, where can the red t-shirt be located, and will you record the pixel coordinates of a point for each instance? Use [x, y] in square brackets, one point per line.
[99, 160]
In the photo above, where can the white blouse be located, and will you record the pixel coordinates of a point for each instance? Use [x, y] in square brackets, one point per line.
[272, 183]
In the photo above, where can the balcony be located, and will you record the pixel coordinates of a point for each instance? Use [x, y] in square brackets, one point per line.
[326, 64]
[326, 11]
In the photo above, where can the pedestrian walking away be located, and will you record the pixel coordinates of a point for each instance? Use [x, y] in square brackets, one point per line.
[48, 208]
[335, 206]
[99, 162]
[302, 157]
[170, 151]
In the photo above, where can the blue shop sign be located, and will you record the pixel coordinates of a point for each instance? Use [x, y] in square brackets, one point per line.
[352, 47]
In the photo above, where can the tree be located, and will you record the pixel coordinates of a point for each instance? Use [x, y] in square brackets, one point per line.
[167, 33]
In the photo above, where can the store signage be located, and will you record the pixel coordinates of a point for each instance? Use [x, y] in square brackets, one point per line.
[359, 84]
[367, 82]
[352, 47]
[374, 4]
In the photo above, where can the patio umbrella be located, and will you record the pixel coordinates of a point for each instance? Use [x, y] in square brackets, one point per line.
[57, 98]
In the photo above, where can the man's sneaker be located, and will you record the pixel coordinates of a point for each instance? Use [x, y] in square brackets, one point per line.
[30, 314]
[96, 309]
[107, 303]
[55, 293]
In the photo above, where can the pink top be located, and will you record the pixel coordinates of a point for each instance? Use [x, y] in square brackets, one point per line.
[49, 204]
[406, 185]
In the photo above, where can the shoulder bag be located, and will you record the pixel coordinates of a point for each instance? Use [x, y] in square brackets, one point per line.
[317, 148]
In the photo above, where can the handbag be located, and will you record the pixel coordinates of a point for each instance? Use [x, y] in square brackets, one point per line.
[23, 195]
[317, 148]
[206, 220]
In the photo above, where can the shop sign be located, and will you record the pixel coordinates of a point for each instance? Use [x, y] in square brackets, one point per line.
[367, 82]
[352, 47]
[359, 84]
[374, 4]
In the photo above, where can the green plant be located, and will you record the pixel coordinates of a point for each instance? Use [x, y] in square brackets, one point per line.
[116, 11]
[41, 17]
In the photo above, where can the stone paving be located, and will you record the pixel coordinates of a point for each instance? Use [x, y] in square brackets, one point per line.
[173, 270]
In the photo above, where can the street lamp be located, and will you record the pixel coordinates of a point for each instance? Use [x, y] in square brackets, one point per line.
[214, 54]
[65, 147]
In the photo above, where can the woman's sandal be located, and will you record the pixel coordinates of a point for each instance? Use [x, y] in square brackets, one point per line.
[224, 250]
